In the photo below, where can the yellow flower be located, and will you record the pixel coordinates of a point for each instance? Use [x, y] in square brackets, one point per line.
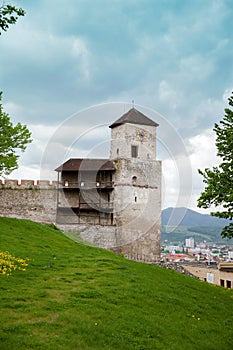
[10, 263]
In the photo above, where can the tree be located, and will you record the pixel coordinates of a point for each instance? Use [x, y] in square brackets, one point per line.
[13, 139]
[219, 180]
[9, 15]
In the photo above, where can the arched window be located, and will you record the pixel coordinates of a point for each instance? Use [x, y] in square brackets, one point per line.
[134, 180]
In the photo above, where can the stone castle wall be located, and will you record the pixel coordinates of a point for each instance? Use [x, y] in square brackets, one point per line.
[37, 201]
[28, 199]
[27, 184]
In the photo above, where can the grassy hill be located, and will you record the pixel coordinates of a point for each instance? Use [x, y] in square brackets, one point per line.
[74, 296]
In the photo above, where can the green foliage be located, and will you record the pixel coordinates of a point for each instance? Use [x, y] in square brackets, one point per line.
[73, 296]
[200, 234]
[213, 232]
[9, 15]
[12, 140]
[218, 181]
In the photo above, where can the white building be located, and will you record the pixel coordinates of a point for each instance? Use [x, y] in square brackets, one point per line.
[189, 242]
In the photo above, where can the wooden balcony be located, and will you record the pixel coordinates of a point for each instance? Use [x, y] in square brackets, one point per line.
[89, 206]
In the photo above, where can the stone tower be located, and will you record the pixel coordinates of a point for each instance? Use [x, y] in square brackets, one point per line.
[137, 186]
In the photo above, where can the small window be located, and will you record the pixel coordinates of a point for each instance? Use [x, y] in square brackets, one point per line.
[228, 284]
[222, 283]
[135, 199]
[134, 151]
[117, 151]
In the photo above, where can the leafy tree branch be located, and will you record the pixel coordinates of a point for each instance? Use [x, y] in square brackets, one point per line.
[9, 15]
[13, 140]
[219, 180]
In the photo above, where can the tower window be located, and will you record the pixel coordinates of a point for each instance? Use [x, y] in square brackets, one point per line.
[117, 151]
[134, 151]
[135, 199]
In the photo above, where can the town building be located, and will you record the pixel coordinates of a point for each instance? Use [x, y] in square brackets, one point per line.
[189, 242]
[221, 275]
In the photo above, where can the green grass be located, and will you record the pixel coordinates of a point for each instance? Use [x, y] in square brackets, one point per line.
[74, 296]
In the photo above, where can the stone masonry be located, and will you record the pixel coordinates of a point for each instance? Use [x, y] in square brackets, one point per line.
[137, 192]
[28, 200]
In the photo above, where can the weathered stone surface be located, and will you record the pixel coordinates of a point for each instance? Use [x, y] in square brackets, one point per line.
[137, 192]
[126, 135]
[35, 204]
[176, 267]
[101, 236]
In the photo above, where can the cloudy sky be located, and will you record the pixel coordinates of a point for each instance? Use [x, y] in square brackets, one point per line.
[68, 69]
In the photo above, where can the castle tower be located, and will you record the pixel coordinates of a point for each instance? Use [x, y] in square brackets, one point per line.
[137, 186]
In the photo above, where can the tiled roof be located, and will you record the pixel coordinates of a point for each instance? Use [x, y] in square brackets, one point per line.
[133, 116]
[80, 164]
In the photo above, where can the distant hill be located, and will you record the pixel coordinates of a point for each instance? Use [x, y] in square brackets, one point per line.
[188, 217]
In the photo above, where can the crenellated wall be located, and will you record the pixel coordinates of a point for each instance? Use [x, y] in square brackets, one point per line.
[28, 199]
[28, 184]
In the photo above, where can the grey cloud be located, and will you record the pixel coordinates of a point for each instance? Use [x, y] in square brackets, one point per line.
[74, 55]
